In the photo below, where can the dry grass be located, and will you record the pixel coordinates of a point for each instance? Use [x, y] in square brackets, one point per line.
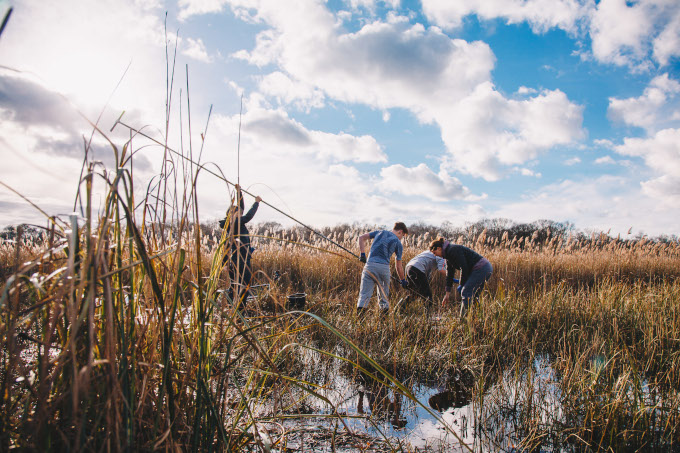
[116, 334]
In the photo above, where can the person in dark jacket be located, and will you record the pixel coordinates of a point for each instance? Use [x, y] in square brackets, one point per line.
[475, 270]
[239, 251]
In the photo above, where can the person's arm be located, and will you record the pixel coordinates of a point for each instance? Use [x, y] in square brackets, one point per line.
[449, 281]
[400, 266]
[450, 276]
[447, 297]
[362, 246]
[251, 212]
[400, 270]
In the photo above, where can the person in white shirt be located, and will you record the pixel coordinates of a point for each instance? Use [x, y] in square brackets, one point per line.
[420, 269]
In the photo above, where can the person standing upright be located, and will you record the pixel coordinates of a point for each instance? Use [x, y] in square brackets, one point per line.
[377, 267]
[239, 251]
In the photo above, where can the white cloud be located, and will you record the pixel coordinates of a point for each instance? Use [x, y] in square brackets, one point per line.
[626, 33]
[667, 43]
[618, 31]
[421, 181]
[529, 172]
[657, 111]
[395, 64]
[666, 189]
[657, 108]
[621, 32]
[572, 161]
[195, 48]
[540, 14]
[660, 152]
[332, 192]
[605, 160]
[603, 203]
[603, 142]
[80, 49]
[276, 131]
[303, 96]
[526, 90]
[489, 132]
[188, 8]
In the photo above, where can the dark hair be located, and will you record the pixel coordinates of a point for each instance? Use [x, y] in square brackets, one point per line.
[437, 243]
[400, 226]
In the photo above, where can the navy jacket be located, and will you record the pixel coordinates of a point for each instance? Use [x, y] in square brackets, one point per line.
[240, 230]
[458, 257]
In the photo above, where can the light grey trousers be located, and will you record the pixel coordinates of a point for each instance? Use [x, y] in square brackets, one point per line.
[381, 272]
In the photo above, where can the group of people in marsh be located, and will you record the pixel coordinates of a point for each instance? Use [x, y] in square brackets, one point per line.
[442, 256]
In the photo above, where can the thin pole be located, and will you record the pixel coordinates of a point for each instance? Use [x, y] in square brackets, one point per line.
[232, 184]
[238, 148]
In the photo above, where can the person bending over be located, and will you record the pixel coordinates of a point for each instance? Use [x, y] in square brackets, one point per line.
[420, 269]
[475, 270]
[377, 267]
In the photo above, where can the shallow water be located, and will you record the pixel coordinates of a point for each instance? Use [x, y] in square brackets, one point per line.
[455, 414]
[446, 418]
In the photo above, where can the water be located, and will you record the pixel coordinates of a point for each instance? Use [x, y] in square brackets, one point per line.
[450, 415]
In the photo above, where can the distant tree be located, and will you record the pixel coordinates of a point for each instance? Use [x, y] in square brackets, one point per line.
[10, 232]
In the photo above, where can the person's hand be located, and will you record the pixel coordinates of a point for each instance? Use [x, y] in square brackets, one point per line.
[404, 283]
[362, 258]
[258, 199]
[445, 300]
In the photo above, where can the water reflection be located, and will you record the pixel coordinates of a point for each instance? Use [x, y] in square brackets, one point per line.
[382, 406]
[518, 409]
[449, 399]
[382, 402]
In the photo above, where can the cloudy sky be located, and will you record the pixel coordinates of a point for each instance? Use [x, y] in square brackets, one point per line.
[362, 111]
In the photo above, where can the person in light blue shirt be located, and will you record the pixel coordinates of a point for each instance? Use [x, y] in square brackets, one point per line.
[377, 267]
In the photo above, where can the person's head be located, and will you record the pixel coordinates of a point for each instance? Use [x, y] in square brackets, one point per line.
[235, 211]
[400, 230]
[437, 246]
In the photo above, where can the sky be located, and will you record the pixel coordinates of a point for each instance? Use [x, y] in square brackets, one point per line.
[345, 111]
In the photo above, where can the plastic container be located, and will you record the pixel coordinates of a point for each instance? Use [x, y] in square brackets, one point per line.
[297, 301]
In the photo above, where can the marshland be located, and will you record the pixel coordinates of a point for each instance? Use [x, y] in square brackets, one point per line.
[118, 335]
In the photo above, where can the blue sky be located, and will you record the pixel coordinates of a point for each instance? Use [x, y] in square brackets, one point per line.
[361, 110]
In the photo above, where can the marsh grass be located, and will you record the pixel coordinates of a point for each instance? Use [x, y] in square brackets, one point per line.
[604, 315]
[117, 334]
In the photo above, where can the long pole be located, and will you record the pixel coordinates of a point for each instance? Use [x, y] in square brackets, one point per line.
[217, 175]
[238, 148]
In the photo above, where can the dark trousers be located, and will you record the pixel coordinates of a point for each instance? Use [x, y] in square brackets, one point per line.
[420, 283]
[240, 272]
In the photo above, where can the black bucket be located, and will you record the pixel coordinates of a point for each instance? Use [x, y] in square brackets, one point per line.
[297, 301]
